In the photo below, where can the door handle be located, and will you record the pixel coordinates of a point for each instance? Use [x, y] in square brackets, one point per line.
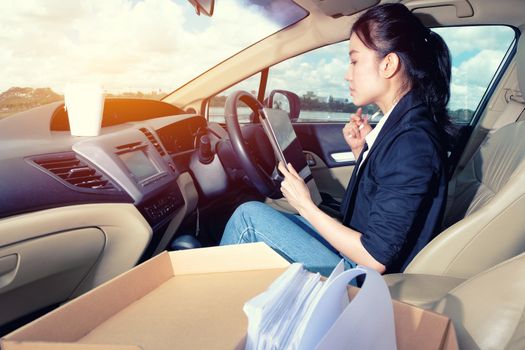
[343, 157]
[310, 160]
[8, 267]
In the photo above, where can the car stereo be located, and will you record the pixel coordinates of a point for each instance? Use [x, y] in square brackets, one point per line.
[131, 160]
[141, 167]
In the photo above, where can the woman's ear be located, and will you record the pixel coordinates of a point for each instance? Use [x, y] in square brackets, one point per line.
[390, 65]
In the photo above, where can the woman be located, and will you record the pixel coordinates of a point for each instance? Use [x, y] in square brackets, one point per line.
[394, 202]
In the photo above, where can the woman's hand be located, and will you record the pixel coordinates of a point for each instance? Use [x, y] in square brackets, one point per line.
[355, 131]
[294, 189]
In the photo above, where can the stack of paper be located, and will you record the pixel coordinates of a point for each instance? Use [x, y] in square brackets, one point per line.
[300, 311]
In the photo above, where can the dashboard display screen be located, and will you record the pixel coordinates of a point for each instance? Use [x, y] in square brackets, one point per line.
[139, 164]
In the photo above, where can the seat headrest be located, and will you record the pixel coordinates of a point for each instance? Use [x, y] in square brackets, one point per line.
[520, 59]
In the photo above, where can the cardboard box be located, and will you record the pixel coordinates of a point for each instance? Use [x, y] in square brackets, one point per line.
[190, 299]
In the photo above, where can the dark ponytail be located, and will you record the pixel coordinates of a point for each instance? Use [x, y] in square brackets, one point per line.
[424, 55]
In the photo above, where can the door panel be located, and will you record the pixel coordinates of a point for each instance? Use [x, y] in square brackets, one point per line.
[332, 181]
[45, 270]
[328, 155]
[324, 140]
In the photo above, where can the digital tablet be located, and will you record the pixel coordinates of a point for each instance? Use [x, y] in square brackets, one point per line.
[287, 147]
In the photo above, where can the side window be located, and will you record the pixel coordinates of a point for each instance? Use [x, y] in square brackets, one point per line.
[477, 52]
[216, 106]
[317, 77]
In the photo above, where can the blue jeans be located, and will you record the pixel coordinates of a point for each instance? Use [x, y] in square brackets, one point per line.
[290, 235]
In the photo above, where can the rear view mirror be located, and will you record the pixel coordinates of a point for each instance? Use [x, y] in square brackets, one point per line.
[204, 7]
[286, 101]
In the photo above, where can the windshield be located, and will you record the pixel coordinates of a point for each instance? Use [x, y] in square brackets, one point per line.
[132, 48]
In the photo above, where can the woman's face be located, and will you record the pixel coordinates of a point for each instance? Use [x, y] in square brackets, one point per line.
[366, 85]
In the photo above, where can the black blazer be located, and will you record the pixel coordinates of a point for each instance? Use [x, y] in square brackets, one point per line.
[397, 198]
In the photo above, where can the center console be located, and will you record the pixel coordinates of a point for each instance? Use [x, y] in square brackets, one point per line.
[137, 162]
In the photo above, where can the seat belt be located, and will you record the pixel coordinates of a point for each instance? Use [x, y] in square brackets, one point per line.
[522, 115]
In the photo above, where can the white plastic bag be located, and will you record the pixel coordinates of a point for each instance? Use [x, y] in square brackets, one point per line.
[319, 315]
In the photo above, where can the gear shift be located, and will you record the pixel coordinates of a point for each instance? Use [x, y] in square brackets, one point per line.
[205, 153]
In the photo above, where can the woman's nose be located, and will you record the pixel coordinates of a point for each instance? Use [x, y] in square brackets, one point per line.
[348, 75]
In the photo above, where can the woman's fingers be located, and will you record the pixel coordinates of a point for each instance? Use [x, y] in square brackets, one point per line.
[290, 176]
[282, 169]
[357, 116]
[292, 170]
[365, 122]
[353, 128]
[284, 188]
[293, 187]
[283, 191]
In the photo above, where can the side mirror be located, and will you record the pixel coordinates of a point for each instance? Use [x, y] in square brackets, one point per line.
[286, 101]
[204, 7]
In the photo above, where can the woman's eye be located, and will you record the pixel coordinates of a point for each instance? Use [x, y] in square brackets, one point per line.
[353, 62]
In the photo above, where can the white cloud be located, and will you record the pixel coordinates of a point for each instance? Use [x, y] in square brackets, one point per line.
[143, 46]
[464, 39]
[480, 68]
[321, 71]
[471, 79]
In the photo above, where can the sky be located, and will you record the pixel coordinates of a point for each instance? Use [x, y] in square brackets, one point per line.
[121, 44]
[152, 45]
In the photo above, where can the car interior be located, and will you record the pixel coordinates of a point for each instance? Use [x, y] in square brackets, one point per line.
[165, 175]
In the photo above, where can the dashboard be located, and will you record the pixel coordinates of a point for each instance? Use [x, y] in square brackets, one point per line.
[137, 159]
[78, 211]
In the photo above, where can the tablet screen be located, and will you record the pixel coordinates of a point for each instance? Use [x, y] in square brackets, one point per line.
[286, 145]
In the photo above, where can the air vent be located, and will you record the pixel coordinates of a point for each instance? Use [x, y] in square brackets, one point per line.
[153, 140]
[74, 171]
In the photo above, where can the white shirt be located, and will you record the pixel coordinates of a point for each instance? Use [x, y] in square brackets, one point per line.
[372, 136]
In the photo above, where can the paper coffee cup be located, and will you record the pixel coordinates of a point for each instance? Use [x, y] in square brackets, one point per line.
[84, 104]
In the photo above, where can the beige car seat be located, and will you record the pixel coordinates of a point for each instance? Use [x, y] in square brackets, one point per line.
[488, 310]
[488, 207]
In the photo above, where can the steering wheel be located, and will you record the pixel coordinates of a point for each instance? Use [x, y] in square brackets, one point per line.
[259, 177]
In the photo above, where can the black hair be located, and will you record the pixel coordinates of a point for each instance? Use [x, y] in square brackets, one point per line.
[424, 56]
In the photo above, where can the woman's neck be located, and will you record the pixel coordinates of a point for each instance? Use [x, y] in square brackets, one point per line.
[390, 99]
[387, 103]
